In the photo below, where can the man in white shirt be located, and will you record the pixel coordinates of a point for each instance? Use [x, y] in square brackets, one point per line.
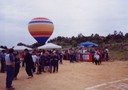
[34, 58]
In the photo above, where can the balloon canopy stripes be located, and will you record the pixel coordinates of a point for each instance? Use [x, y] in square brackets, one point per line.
[41, 40]
[41, 29]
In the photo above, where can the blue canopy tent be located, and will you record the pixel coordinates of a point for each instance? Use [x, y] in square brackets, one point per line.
[88, 44]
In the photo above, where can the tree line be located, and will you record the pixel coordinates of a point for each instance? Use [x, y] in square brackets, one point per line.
[114, 38]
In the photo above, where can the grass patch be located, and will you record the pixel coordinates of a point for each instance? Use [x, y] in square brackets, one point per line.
[118, 55]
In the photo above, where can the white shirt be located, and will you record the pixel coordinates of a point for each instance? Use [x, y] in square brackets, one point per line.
[34, 58]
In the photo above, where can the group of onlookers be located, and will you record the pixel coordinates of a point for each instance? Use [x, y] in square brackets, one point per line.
[42, 61]
[94, 54]
[33, 61]
[39, 61]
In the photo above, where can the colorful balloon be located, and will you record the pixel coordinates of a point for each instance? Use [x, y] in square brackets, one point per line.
[41, 29]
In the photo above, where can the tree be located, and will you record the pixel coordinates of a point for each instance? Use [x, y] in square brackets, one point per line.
[120, 33]
[115, 32]
[92, 35]
[80, 35]
[126, 35]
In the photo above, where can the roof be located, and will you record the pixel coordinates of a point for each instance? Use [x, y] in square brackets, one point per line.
[50, 46]
[21, 48]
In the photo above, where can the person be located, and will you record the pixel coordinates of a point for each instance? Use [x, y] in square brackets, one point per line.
[34, 58]
[29, 63]
[51, 57]
[2, 57]
[61, 57]
[92, 51]
[10, 68]
[97, 58]
[55, 63]
[22, 59]
[17, 64]
[46, 60]
[41, 63]
[71, 55]
[77, 55]
[106, 54]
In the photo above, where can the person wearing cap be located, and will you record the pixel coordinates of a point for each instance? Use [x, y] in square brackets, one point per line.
[10, 68]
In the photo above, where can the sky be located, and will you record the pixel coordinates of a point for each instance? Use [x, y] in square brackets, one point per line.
[70, 18]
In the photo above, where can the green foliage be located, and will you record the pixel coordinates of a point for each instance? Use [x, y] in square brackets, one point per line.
[116, 37]
[118, 55]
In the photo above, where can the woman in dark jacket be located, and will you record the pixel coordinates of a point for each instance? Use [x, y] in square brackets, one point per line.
[29, 63]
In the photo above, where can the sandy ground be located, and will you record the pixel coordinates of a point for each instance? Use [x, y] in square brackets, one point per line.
[75, 76]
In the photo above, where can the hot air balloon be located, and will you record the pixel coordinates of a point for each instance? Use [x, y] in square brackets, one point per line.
[41, 29]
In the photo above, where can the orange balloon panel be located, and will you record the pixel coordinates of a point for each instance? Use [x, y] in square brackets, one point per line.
[41, 29]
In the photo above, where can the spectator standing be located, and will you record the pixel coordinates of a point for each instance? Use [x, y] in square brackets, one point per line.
[2, 57]
[10, 68]
[34, 58]
[71, 55]
[55, 62]
[41, 63]
[29, 63]
[17, 64]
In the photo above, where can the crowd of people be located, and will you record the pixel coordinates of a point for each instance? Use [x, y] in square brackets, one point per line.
[41, 61]
[34, 62]
[95, 55]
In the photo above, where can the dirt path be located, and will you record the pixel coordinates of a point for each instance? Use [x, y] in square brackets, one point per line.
[76, 76]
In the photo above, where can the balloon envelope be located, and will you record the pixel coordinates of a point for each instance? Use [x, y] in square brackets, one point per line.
[41, 29]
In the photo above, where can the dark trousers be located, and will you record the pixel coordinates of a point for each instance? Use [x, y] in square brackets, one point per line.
[50, 67]
[42, 67]
[23, 64]
[97, 62]
[17, 68]
[10, 76]
[55, 66]
[39, 70]
[2, 66]
[29, 70]
[93, 59]
[34, 68]
[61, 61]
[71, 58]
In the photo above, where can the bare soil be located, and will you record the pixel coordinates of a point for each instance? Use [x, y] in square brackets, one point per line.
[75, 76]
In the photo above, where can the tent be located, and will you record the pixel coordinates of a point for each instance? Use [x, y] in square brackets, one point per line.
[1, 49]
[21, 48]
[88, 44]
[50, 46]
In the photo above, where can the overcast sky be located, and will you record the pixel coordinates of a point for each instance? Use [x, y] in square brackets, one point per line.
[70, 18]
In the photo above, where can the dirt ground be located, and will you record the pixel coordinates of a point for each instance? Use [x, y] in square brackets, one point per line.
[75, 76]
